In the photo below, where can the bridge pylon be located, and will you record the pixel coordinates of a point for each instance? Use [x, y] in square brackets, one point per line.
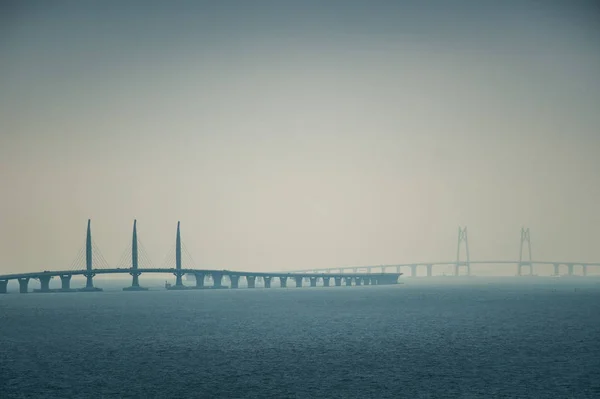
[135, 274]
[525, 240]
[462, 238]
[89, 267]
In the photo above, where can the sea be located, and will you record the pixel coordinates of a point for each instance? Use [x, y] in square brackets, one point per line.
[425, 338]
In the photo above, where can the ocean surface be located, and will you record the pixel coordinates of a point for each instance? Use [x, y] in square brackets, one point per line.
[446, 338]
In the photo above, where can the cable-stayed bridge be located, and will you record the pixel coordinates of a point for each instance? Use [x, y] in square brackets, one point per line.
[135, 261]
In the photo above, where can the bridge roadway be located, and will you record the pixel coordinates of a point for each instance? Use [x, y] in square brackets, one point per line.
[466, 264]
[217, 276]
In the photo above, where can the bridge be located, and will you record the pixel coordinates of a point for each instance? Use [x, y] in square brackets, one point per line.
[348, 276]
[524, 264]
[219, 278]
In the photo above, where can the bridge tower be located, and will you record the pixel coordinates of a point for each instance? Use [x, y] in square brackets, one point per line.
[462, 237]
[525, 240]
[178, 274]
[135, 274]
[89, 272]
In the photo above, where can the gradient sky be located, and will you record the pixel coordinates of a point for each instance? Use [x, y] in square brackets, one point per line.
[300, 134]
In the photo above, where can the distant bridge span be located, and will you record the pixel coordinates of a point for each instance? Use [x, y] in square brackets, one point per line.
[520, 265]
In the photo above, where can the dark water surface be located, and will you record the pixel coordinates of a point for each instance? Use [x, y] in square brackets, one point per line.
[491, 338]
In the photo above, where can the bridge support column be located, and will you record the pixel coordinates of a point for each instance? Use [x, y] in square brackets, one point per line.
[3, 285]
[348, 281]
[217, 280]
[199, 280]
[326, 281]
[235, 281]
[556, 269]
[135, 283]
[283, 282]
[89, 284]
[570, 268]
[23, 285]
[338, 281]
[65, 282]
[584, 269]
[298, 281]
[397, 269]
[313, 281]
[413, 270]
[44, 284]
[267, 281]
[251, 280]
[429, 270]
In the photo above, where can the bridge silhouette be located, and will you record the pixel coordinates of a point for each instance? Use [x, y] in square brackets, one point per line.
[348, 276]
[525, 261]
[219, 278]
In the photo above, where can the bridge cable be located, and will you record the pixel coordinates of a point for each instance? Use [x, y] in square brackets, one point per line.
[99, 257]
[79, 260]
[144, 255]
[125, 259]
[189, 256]
[169, 258]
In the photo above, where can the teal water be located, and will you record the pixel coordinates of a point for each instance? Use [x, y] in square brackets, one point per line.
[500, 338]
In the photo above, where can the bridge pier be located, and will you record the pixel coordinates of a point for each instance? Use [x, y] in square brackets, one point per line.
[584, 270]
[338, 281]
[556, 269]
[135, 283]
[89, 284]
[520, 267]
[235, 280]
[217, 280]
[251, 280]
[267, 281]
[429, 270]
[326, 281]
[65, 282]
[199, 280]
[283, 282]
[44, 284]
[458, 266]
[413, 270]
[313, 281]
[3, 285]
[23, 285]
[298, 281]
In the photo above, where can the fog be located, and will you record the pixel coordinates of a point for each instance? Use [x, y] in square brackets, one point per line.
[289, 135]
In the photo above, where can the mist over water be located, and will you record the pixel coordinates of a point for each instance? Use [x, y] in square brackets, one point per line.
[420, 340]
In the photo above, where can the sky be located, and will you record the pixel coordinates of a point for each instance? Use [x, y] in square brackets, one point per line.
[297, 134]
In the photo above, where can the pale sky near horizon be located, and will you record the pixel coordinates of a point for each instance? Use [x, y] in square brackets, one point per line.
[299, 134]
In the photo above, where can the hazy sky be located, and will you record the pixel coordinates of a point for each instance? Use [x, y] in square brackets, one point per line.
[295, 134]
